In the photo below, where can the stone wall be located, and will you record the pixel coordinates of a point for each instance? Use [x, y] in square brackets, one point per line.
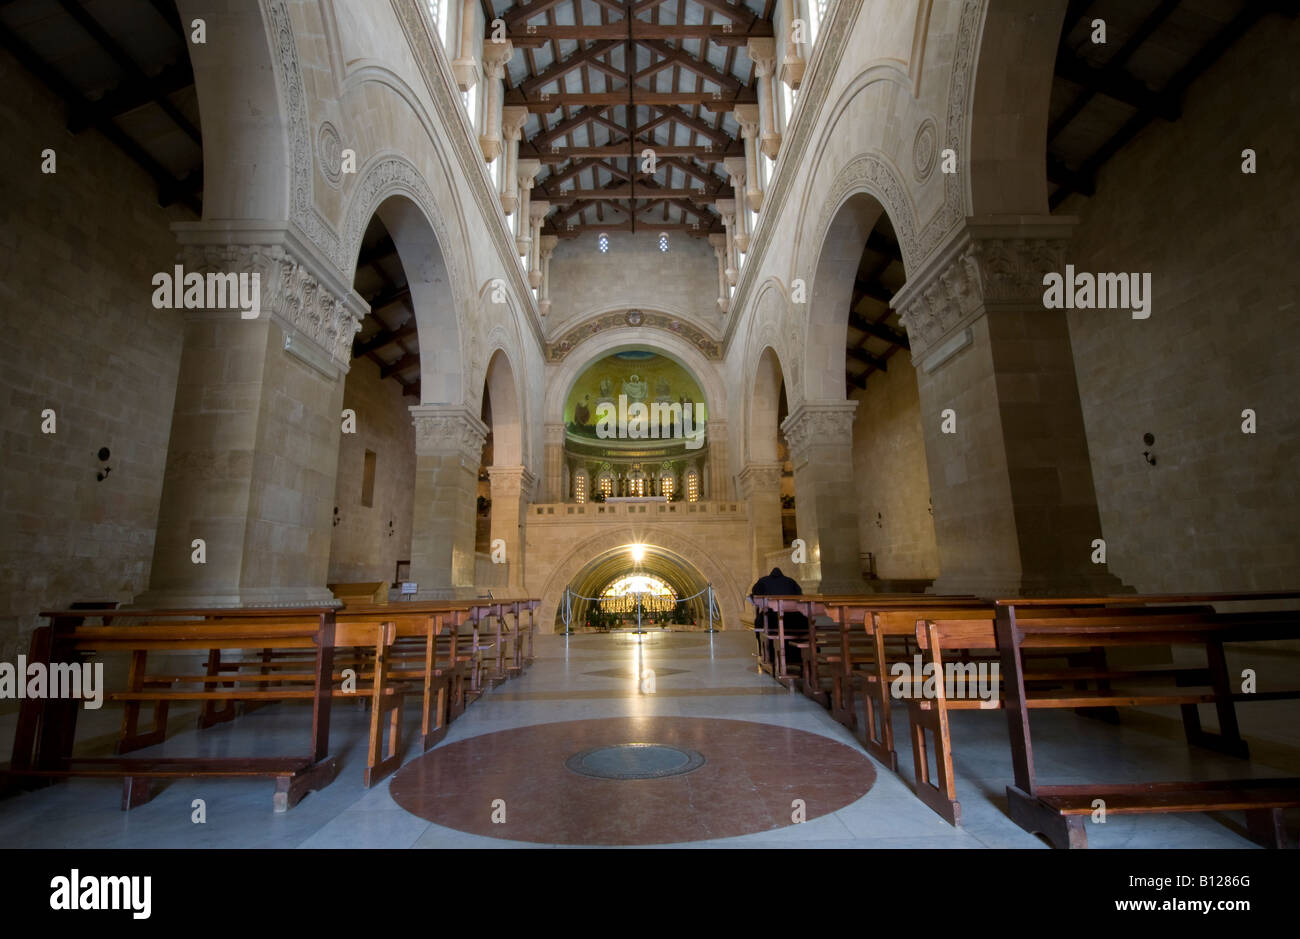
[891, 476]
[77, 251]
[634, 273]
[363, 548]
[1220, 510]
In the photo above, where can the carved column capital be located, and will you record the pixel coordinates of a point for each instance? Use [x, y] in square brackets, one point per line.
[495, 56]
[513, 118]
[990, 264]
[762, 52]
[759, 477]
[449, 430]
[507, 482]
[554, 434]
[318, 324]
[815, 424]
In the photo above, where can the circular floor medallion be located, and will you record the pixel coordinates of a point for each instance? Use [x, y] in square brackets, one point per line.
[634, 761]
[747, 780]
[631, 675]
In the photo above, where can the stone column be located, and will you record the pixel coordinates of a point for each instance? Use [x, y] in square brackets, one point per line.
[553, 454]
[719, 243]
[512, 490]
[760, 486]
[448, 449]
[747, 117]
[715, 440]
[727, 208]
[465, 66]
[513, 118]
[792, 60]
[1015, 511]
[495, 57]
[762, 52]
[820, 435]
[546, 247]
[526, 173]
[537, 215]
[253, 453]
[736, 168]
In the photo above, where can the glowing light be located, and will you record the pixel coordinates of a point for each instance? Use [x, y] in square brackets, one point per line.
[638, 552]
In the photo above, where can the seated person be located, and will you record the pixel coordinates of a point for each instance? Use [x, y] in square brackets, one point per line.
[777, 584]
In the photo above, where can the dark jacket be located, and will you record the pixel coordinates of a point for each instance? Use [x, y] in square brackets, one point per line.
[776, 584]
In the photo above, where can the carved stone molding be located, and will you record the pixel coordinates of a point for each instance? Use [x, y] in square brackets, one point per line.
[976, 272]
[759, 477]
[814, 424]
[291, 294]
[302, 204]
[554, 434]
[565, 343]
[507, 482]
[925, 149]
[449, 430]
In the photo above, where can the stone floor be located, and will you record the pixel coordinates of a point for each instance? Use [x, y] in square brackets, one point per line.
[763, 748]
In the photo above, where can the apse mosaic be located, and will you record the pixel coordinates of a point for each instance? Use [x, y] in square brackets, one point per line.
[625, 379]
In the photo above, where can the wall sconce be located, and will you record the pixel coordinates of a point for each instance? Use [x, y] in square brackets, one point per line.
[878, 521]
[1149, 440]
[103, 458]
[390, 528]
[336, 516]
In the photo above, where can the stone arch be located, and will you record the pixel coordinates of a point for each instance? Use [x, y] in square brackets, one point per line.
[393, 189]
[247, 160]
[729, 594]
[502, 386]
[1011, 84]
[829, 295]
[615, 340]
[764, 403]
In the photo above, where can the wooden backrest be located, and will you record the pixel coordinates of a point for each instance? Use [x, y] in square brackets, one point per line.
[908, 622]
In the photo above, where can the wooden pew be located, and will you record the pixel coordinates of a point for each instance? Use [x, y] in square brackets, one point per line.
[1058, 811]
[44, 740]
[426, 658]
[887, 623]
[1071, 623]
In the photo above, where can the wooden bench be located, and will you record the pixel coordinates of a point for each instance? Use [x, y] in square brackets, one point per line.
[1057, 811]
[862, 661]
[427, 659]
[46, 729]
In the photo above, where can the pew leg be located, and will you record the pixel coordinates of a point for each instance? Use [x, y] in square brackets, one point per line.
[1231, 745]
[211, 713]
[1061, 831]
[1266, 827]
[290, 789]
[137, 790]
[939, 794]
[877, 732]
[843, 706]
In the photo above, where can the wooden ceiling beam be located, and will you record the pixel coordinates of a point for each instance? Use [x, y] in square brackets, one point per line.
[879, 330]
[406, 361]
[622, 152]
[686, 60]
[536, 36]
[546, 102]
[640, 191]
[382, 338]
[558, 70]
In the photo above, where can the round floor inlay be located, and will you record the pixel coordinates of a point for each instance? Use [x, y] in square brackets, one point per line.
[631, 675]
[521, 784]
[634, 761]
